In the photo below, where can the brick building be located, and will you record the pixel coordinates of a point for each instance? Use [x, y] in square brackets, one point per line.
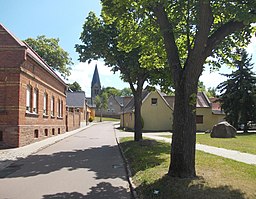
[32, 95]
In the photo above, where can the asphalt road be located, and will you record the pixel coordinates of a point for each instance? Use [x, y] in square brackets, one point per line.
[85, 165]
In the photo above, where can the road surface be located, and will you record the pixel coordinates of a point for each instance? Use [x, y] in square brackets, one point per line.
[85, 165]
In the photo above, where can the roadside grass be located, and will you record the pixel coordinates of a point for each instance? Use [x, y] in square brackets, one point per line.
[97, 119]
[243, 142]
[218, 178]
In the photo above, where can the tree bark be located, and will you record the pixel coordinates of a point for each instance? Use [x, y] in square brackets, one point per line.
[184, 130]
[137, 113]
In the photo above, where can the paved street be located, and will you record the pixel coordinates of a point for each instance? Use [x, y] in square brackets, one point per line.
[85, 165]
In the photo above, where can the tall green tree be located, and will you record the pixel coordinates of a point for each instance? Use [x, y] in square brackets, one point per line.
[75, 86]
[126, 92]
[238, 92]
[100, 41]
[101, 102]
[51, 52]
[111, 91]
[189, 31]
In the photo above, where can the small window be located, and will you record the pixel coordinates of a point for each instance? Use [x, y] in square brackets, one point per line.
[1, 136]
[35, 101]
[28, 99]
[45, 104]
[153, 101]
[199, 119]
[58, 130]
[52, 106]
[46, 132]
[53, 131]
[36, 134]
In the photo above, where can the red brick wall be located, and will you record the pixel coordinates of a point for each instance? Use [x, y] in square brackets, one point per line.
[39, 79]
[17, 70]
[73, 120]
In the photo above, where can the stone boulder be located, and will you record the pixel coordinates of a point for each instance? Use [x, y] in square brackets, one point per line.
[223, 130]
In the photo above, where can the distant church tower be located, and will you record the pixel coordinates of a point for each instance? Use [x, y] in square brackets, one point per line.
[95, 86]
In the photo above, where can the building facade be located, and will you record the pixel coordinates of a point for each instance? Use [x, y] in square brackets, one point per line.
[32, 95]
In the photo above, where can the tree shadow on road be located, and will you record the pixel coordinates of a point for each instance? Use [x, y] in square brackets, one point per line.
[102, 190]
[105, 161]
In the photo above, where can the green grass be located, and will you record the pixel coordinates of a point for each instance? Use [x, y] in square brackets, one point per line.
[243, 142]
[97, 119]
[218, 178]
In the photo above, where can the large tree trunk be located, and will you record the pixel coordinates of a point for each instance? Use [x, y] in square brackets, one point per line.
[137, 113]
[184, 129]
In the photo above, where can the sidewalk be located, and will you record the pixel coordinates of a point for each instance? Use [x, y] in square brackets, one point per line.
[7, 156]
[231, 154]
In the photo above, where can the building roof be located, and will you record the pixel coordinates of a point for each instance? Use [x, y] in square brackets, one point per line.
[202, 100]
[13, 41]
[95, 78]
[75, 99]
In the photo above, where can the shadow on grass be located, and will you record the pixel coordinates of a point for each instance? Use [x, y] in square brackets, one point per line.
[176, 188]
[144, 154]
[149, 159]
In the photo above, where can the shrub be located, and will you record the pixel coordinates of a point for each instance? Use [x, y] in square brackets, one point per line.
[91, 119]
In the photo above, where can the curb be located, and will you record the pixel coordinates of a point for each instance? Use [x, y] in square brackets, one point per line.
[127, 168]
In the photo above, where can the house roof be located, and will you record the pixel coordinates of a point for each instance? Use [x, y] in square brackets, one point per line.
[202, 100]
[13, 41]
[75, 99]
[95, 78]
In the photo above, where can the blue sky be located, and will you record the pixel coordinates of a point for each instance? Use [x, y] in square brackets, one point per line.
[64, 19]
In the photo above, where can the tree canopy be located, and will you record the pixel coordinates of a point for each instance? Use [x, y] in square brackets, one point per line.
[238, 92]
[186, 34]
[75, 86]
[100, 41]
[49, 49]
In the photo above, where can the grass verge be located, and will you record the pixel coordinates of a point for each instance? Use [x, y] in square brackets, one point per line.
[218, 178]
[243, 142]
[97, 119]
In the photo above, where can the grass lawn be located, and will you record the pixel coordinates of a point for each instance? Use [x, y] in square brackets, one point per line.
[218, 178]
[243, 142]
[97, 119]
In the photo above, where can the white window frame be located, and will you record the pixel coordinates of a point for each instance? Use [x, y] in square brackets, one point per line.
[45, 108]
[35, 101]
[28, 99]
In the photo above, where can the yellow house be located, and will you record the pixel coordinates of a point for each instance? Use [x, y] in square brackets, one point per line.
[208, 112]
[157, 112]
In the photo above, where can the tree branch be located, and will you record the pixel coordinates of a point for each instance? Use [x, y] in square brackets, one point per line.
[204, 26]
[169, 40]
[219, 35]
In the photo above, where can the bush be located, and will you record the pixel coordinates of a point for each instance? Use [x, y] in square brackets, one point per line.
[91, 119]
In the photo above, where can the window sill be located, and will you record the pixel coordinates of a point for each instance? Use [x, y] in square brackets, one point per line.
[60, 118]
[45, 116]
[52, 117]
[31, 114]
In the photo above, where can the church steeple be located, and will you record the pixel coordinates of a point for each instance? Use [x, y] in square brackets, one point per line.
[95, 85]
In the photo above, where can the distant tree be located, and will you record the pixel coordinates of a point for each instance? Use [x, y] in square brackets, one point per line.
[101, 102]
[75, 86]
[111, 91]
[211, 92]
[201, 86]
[126, 92]
[238, 92]
[49, 49]
[100, 41]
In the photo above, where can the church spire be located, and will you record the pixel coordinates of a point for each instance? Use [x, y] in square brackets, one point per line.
[95, 86]
[96, 78]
